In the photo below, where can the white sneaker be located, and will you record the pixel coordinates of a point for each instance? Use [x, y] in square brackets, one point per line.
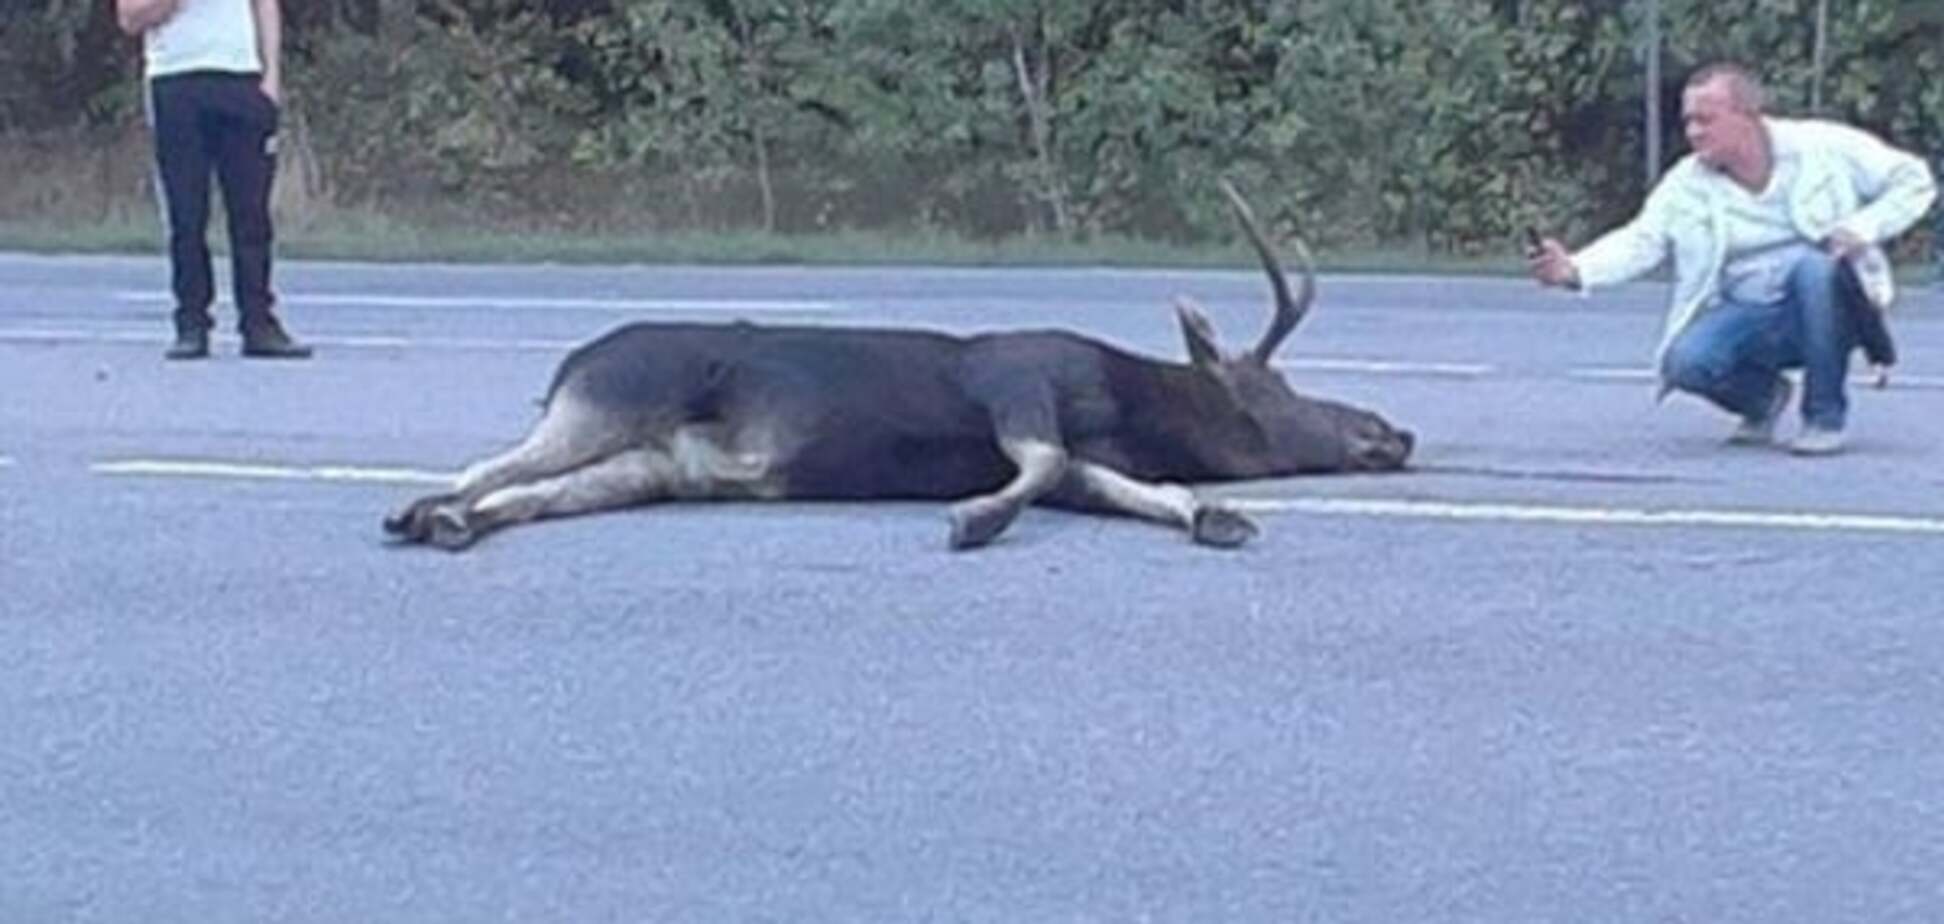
[1817, 441]
[1760, 431]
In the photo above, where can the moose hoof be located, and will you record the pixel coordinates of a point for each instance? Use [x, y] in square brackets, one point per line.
[977, 522]
[414, 523]
[401, 524]
[1223, 527]
[450, 531]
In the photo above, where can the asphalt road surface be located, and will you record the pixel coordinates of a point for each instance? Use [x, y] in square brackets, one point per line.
[1583, 663]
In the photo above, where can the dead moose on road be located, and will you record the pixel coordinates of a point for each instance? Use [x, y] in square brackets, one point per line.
[993, 422]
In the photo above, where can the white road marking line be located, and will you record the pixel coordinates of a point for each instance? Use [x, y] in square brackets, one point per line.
[517, 344]
[1457, 511]
[188, 468]
[54, 335]
[76, 335]
[534, 344]
[541, 302]
[1613, 374]
[1645, 374]
[1471, 511]
[1366, 366]
[68, 335]
[1390, 367]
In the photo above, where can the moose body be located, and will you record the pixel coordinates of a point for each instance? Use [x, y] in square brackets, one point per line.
[994, 422]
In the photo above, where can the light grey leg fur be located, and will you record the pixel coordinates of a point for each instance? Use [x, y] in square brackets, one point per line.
[693, 466]
[570, 434]
[620, 480]
[1114, 492]
[978, 520]
[1097, 487]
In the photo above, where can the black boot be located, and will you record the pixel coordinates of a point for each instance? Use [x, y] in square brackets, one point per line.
[266, 339]
[190, 343]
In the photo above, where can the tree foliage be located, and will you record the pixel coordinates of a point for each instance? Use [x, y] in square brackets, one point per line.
[1440, 123]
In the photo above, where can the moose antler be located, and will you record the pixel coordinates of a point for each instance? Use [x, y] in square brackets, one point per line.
[1289, 310]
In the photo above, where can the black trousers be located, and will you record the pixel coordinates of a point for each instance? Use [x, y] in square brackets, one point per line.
[216, 123]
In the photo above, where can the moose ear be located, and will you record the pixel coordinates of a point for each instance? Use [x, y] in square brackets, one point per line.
[1203, 348]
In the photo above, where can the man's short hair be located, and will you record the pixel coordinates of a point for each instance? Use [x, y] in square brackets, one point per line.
[1744, 88]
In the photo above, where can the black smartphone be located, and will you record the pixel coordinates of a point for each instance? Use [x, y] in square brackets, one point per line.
[1532, 241]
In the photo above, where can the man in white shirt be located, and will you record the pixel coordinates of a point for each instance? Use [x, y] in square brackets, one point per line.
[1774, 227]
[211, 70]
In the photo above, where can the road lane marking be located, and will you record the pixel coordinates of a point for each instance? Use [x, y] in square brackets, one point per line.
[1367, 507]
[1511, 473]
[1646, 374]
[72, 335]
[1390, 367]
[1316, 364]
[355, 342]
[1473, 511]
[534, 302]
[252, 471]
[1403, 368]
[1613, 374]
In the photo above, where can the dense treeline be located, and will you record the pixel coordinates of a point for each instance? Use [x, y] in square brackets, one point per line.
[1441, 123]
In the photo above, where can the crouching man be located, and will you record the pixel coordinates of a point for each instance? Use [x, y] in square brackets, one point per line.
[1774, 227]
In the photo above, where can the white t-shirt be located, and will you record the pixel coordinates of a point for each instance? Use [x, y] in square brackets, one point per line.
[204, 35]
[1763, 242]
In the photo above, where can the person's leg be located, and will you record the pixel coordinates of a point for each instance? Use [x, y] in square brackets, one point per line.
[246, 165]
[1821, 338]
[1732, 355]
[182, 165]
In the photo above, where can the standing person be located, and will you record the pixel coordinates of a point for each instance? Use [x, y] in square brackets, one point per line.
[1774, 227]
[212, 75]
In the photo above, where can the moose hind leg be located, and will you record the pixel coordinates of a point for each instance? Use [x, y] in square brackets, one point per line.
[570, 433]
[621, 480]
[1094, 487]
[413, 522]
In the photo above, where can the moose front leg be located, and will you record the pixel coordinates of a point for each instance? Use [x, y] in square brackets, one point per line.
[1029, 434]
[1096, 488]
[978, 520]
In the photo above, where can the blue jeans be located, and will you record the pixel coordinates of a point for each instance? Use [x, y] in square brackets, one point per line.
[1733, 352]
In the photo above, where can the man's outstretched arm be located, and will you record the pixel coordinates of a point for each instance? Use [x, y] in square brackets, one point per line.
[1552, 264]
[1627, 252]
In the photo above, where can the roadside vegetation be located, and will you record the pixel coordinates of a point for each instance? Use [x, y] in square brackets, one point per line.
[963, 131]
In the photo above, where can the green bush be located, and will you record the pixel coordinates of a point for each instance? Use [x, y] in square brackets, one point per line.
[1438, 125]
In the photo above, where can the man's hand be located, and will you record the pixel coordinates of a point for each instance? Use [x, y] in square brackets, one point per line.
[1843, 243]
[272, 88]
[1552, 265]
